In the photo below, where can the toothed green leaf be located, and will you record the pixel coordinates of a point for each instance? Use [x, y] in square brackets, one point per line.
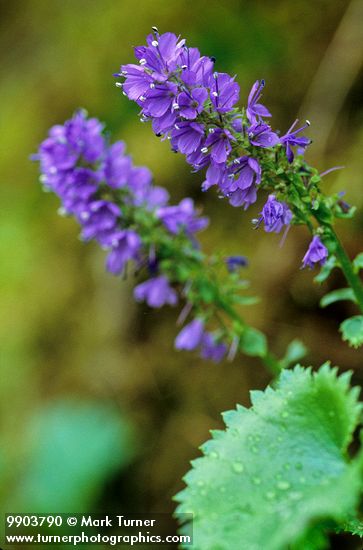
[279, 474]
[336, 296]
[352, 330]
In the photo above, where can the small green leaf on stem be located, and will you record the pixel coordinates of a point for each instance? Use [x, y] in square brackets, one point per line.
[338, 295]
[352, 331]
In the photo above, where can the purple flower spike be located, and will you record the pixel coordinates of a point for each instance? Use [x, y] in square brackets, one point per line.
[255, 111]
[156, 292]
[211, 349]
[190, 337]
[316, 253]
[275, 215]
[291, 139]
[224, 92]
[125, 246]
[261, 135]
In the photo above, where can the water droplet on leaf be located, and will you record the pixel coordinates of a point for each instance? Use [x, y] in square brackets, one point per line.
[238, 467]
[283, 485]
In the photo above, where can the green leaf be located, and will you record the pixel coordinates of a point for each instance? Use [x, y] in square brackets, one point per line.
[279, 473]
[358, 262]
[253, 342]
[245, 300]
[336, 296]
[339, 213]
[296, 350]
[74, 447]
[323, 213]
[352, 330]
[326, 269]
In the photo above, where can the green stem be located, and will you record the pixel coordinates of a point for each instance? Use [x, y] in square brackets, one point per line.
[352, 278]
[272, 363]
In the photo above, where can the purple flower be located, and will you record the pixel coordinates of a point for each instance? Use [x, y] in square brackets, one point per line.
[137, 81]
[156, 292]
[117, 166]
[99, 220]
[224, 92]
[126, 245]
[161, 54]
[316, 253]
[187, 137]
[215, 175]
[190, 337]
[243, 197]
[158, 101]
[291, 139]
[165, 123]
[77, 189]
[196, 69]
[255, 110]
[190, 104]
[275, 215]
[198, 160]
[182, 217]
[240, 185]
[234, 263]
[261, 135]
[219, 144]
[211, 349]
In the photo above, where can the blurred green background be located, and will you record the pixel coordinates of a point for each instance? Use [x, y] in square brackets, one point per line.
[98, 411]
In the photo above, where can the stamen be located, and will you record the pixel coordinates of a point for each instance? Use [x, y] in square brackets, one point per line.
[233, 349]
[155, 43]
[331, 170]
[62, 211]
[185, 311]
[293, 126]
